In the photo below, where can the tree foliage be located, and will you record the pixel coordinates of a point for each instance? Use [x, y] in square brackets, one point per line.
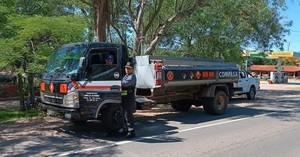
[223, 28]
[31, 39]
[31, 30]
[268, 61]
[202, 28]
[214, 29]
[148, 21]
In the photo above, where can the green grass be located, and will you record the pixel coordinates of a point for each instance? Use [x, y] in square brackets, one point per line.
[8, 115]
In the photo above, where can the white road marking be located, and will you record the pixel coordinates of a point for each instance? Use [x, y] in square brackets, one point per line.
[155, 136]
[226, 122]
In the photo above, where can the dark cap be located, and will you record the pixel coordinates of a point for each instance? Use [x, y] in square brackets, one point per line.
[129, 65]
[109, 57]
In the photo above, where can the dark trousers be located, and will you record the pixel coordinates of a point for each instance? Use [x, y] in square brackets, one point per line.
[128, 105]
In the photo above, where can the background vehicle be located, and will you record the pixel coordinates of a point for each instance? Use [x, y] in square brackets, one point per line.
[247, 84]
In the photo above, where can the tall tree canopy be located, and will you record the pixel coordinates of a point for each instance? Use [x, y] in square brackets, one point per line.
[213, 29]
[223, 30]
[33, 29]
[218, 29]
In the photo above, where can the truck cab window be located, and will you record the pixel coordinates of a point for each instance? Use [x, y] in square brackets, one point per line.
[65, 60]
[242, 75]
[95, 59]
[102, 64]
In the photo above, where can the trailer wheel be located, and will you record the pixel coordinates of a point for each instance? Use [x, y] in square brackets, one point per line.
[181, 105]
[216, 105]
[251, 94]
[112, 118]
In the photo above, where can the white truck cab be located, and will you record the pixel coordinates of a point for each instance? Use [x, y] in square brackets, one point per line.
[247, 84]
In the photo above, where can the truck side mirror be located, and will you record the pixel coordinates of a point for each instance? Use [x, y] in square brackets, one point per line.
[74, 77]
[81, 60]
[80, 67]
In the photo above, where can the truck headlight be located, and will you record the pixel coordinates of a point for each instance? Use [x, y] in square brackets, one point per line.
[71, 100]
[42, 96]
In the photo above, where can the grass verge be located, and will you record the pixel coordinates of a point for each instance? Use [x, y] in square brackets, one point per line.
[8, 115]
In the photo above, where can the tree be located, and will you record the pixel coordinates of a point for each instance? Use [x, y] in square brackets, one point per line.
[101, 18]
[100, 15]
[223, 30]
[148, 22]
[31, 39]
[218, 29]
[264, 61]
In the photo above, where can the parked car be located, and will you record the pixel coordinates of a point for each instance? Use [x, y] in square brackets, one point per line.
[247, 84]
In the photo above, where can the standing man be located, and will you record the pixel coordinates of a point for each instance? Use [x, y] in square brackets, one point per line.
[128, 100]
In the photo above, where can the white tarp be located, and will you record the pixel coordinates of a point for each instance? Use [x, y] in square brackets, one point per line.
[144, 72]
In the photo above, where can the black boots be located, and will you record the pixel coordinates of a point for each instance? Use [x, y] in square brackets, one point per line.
[121, 133]
[130, 134]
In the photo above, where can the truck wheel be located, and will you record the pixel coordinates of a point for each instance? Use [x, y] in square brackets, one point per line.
[251, 94]
[112, 118]
[181, 105]
[216, 105]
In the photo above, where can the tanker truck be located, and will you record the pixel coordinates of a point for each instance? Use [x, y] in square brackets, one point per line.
[79, 85]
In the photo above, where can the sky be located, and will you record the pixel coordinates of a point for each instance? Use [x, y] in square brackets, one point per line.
[293, 13]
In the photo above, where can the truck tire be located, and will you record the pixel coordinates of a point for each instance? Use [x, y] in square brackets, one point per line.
[251, 94]
[181, 105]
[112, 118]
[216, 105]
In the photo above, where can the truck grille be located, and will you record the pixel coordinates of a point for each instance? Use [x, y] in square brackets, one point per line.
[53, 100]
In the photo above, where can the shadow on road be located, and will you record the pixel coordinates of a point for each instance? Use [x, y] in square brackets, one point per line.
[61, 136]
[157, 125]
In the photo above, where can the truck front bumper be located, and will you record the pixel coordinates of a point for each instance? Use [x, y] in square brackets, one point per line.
[70, 114]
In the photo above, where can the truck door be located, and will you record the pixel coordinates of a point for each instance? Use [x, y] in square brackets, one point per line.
[244, 81]
[102, 82]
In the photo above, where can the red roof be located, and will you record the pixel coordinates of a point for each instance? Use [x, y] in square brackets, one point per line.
[272, 68]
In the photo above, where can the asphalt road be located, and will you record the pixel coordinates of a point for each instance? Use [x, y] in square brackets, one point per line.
[266, 126]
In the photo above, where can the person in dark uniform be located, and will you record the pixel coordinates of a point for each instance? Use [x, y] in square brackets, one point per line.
[109, 59]
[128, 99]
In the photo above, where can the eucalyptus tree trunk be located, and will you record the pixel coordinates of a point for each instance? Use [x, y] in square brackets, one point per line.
[141, 27]
[101, 12]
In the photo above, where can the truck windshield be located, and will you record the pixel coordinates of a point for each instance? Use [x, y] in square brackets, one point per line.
[65, 60]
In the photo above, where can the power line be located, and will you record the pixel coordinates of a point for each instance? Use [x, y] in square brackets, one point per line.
[295, 41]
[295, 31]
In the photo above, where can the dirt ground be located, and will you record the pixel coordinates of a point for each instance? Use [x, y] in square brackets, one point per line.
[44, 126]
[9, 104]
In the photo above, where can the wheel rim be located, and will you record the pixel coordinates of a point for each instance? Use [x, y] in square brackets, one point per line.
[252, 93]
[220, 102]
[116, 116]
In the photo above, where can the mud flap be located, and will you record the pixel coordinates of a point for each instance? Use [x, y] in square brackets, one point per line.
[143, 103]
